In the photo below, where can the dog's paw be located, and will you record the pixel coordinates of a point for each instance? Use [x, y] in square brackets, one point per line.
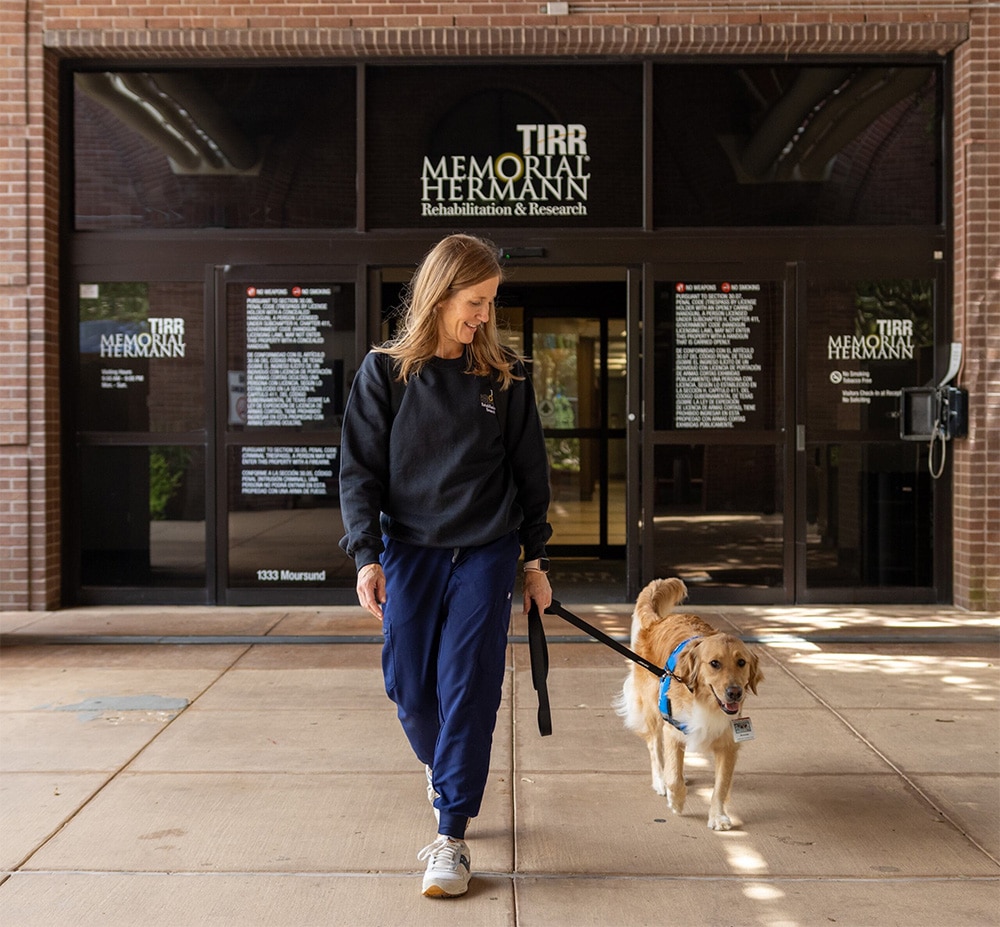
[675, 800]
[658, 786]
[719, 822]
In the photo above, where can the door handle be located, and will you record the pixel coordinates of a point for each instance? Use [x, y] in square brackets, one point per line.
[800, 437]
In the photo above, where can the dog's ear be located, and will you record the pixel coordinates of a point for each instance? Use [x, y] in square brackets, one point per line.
[756, 675]
[686, 667]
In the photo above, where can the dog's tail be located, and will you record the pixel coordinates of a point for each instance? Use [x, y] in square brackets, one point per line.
[659, 599]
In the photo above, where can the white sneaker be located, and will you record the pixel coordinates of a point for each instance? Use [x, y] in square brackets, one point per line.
[449, 867]
[431, 794]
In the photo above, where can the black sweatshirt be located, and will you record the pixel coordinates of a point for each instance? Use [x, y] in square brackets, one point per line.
[442, 471]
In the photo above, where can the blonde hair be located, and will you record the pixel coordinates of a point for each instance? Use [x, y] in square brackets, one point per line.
[454, 263]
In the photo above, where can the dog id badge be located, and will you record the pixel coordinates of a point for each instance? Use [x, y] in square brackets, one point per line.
[742, 730]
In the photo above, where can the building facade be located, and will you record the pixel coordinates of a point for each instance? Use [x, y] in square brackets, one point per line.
[747, 252]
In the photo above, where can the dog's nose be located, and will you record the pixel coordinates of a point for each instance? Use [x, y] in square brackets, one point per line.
[734, 693]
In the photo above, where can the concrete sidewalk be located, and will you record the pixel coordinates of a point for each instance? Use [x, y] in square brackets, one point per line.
[186, 767]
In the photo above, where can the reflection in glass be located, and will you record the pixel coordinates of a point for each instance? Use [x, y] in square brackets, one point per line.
[868, 515]
[575, 509]
[142, 516]
[793, 144]
[577, 402]
[869, 500]
[142, 355]
[866, 340]
[718, 513]
[215, 147]
[284, 518]
[567, 389]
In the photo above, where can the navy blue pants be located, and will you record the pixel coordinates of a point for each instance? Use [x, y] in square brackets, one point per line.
[445, 621]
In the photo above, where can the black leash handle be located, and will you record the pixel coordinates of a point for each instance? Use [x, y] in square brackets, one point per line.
[556, 609]
[539, 652]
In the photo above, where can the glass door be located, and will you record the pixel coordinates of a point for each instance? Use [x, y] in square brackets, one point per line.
[285, 359]
[868, 497]
[773, 469]
[574, 334]
[137, 491]
[716, 454]
[578, 372]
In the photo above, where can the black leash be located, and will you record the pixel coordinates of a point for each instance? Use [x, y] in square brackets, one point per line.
[539, 652]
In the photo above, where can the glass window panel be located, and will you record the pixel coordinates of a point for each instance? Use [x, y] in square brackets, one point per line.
[617, 475]
[717, 355]
[142, 516]
[868, 515]
[617, 374]
[215, 148]
[142, 356]
[291, 348]
[566, 355]
[784, 144]
[284, 518]
[575, 509]
[513, 146]
[718, 514]
[865, 341]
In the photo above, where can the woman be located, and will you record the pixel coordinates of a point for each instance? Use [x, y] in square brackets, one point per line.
[443, 479]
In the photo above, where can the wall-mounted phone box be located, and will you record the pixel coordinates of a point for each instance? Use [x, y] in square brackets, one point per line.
[926, 412]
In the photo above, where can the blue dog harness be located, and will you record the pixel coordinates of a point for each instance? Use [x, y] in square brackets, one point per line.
[665, 680]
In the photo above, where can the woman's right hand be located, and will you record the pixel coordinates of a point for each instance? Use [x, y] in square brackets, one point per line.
[371, 588]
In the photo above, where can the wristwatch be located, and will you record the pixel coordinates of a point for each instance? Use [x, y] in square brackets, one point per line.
[541, 565]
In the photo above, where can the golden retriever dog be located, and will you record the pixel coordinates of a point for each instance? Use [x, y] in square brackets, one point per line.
[712, 674]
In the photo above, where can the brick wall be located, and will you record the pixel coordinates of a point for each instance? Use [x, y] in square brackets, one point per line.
[976, 519]
[14, 516]
[34, 36]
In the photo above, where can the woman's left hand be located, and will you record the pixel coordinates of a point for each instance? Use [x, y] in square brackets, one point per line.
[537, 588]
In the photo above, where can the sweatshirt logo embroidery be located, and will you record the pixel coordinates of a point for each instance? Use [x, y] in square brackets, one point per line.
[486, 401]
